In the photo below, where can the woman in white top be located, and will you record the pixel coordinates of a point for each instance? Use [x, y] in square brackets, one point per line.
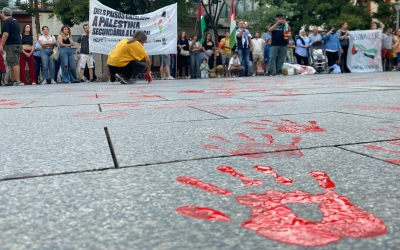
[302, 45]
[47, 42]
[195, 48]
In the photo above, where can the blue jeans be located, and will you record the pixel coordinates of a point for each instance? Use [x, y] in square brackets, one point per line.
[244, 55]
[38, 67]
[172, 66]
[194, 64]
[47, 64]
[68, 64]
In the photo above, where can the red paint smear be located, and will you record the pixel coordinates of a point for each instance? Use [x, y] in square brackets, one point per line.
[202, 213]
[244, 136]
[278, 178]
[225, 94]
[219, 138]
[69, 90]
[272, 219]
[191, 91]
[395, 161]
[9, 103]
[210, 146]
[147, 96]
[245, 180]
[393, 108]
[289, 93]
[288, 126]
[88, 96]
[373, 147]
[191, 181]
[323, 180]
[394, 143]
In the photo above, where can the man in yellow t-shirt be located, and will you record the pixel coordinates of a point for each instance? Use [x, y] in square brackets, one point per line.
[129, 58]
[226, 52]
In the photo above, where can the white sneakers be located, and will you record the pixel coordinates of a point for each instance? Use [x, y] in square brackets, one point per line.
[44, 82]
[53, 82]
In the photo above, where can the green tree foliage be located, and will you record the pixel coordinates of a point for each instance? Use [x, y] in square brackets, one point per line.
[260, 19]
[71, 12]
[31, 7]
[386, 13]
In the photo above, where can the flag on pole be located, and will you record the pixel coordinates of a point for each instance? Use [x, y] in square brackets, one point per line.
[201, 23]
[232, 21]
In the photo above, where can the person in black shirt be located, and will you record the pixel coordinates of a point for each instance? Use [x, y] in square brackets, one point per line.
[12, 41]
[84, 54]
[183, 59]
[215, 63]
[280, 32]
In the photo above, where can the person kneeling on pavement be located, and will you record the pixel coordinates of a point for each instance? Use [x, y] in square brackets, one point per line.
[215, 64]
[129, 58]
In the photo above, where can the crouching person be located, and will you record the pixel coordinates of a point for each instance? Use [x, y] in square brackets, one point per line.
[234, 65]
[128, 59]
[215, 64]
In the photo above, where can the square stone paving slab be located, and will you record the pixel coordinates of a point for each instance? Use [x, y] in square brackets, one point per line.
[135, 208]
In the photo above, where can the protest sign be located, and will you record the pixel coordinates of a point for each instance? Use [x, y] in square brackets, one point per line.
[108, 27]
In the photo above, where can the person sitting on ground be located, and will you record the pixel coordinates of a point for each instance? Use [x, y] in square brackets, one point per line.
[335, 68]
[204, 69]
[215, 64]
[129, 58]
[234, 65]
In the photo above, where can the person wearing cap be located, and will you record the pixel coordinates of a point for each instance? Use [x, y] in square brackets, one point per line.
[13, 45]
[280, 33]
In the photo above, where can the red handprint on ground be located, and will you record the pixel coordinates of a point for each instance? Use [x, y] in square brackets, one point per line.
[391, 129]
[287, 126]
[253, 149]
[272, 219]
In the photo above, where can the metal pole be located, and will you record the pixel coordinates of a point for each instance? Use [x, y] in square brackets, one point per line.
[397, 19]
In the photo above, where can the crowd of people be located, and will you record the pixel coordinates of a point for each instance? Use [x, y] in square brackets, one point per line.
[43, 55]
[46, 55]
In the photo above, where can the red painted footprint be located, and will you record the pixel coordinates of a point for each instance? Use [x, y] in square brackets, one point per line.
[254, 149]
[287, 126]
[272, 219]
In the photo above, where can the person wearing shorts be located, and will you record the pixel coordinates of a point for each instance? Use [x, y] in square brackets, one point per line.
[13, 44]
[258, 51]
[226, 52]
[387, 42]
[84, 55]
[165, 62]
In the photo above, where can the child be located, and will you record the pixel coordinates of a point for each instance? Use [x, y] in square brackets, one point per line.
[204, 69]
[267, 48]
[234, 65]
[335, 69]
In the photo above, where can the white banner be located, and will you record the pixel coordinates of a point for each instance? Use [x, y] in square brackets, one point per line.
[108, 27]
[364, 53]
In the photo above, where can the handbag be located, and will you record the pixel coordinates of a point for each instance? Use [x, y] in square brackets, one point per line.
[184, 52]
[56, 52]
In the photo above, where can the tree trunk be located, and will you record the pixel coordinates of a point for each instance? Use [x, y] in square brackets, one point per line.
[36, 15]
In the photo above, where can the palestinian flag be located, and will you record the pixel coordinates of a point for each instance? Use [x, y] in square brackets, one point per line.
[232, 21]
[370, 53]
[202, 23]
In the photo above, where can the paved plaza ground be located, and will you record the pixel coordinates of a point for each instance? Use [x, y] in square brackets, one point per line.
[241, 163]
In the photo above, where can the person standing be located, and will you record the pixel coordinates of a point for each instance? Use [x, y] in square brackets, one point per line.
[332, 45]
[387, 42]
[208, 46]
[301, 51]
[13, 45]
[67, 60]
[226, 52]
[195, 48]
[280, 33]
[315, 36]
[344, 35]
[47, 42]
[165, 62]
[183, 55]
[267, 49]
[258, 51]
[27, 40]
[373, 26]
[244, 46]
[84, 54]
[37, 58]
[129, 58]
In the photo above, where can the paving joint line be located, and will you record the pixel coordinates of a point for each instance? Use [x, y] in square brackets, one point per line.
[369, 156]
[370, 116]
[111, 147]
[208, 112]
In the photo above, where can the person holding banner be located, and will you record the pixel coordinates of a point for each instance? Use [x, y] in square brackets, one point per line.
[129, 58]
[387, 42]
[344, 36]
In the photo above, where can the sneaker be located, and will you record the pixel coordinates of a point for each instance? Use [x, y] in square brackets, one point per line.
[170, 78]
[19, 84]
[132, 81]
[122, 78]
[279, 73]
[92, 80]
[164, 78]
[268, 74]
[83, 80]
[9, 84]
[34, 83]
[53, 82]
[44, 82]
